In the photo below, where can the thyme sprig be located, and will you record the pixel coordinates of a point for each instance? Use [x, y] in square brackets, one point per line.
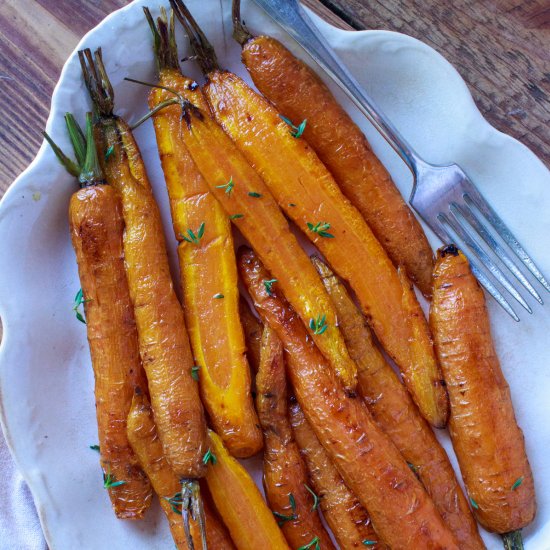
[109, 481]
[284, 518]
[321, 229]
[193, 238]
[209, 456]
[175, 502]
[314, 543]
[195, 372]
[269, 286]
[319, 325]
[315, 498]
[297, 130]
[227, 186]
[79, 301]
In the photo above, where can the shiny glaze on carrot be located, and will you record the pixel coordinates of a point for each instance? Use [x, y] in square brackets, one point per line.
[143, 436]
[348, 520]
[393, 409]
[265, 227]
[208, 278]
[299, 94]
[239, 502]
[309, 195]
[253, 329]
[401, 511]
[163, 340]
[486, 438]
[96, 224]
[285, 474]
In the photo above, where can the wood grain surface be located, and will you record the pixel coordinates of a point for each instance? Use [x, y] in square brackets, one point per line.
[501, 48]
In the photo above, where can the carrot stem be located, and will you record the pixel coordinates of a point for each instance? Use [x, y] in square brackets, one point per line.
[192, 507]
[240, 32]
[513, 540]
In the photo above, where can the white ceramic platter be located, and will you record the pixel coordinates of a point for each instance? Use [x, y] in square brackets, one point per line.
[47, 405]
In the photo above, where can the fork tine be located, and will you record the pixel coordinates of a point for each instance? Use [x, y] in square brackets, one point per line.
[445, 237]
[494, 219]
[464, 234]
[469, 215]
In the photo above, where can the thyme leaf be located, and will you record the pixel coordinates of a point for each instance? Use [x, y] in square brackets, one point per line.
[297, 130]
[195, 372]
[79, 301]
[236, 216]
[254, 194]
[368, 542]
[268, 286]
[315, 498]
[321, 229]
[227, 186]
[218, 296]
[209, 456]
[191, 237]
[319, 325]
[109, 152]
[175, 502]
[109, 481]
[474, 504]
[314, 543]
[94, 448]
[517, 483]
[291, 517]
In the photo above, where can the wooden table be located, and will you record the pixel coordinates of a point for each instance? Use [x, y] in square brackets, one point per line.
[501, 48]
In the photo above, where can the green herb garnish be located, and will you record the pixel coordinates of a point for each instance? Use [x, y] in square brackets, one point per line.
[315, 498]
[284, 518]
[191, 237]
[227, 186]
[291, 204]
[195, 372]
[321, 229]
[236, 216]
[313, 544]
[474, 504]
[79, 301]
[319, 325]
[209, 456]
[367, 542]
[268, 286]
[175, 503]
[297, 130]
[109, 481]
[109, 152]
[517, 483]
[254, 194]
[94, 448]
[218, 296]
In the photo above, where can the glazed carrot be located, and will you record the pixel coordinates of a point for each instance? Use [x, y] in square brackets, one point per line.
[255, 213]
[239, 502]
[299, 94]
[369, 463]
[309, 195]
[348, 520]
[96, 225]
[252, 334]
[285, 475]
[143, 437]
[207, 262]
[163, 342]
[488, 442]
[393, 409]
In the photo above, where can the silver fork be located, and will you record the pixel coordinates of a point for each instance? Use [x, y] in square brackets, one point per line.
[444, 197]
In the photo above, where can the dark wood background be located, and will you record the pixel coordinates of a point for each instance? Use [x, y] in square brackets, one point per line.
[501, 48]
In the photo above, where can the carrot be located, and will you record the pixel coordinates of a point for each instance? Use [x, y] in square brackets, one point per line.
[239, 502]
[488, 442]
[163, 342]
[252, 334]
[207, 262]
[299, 94]
[393, 409]
[255, 213]
[144, 439]
[285, 475]
[96, 226]
[295, 176]
[348, 520]
[369, 463]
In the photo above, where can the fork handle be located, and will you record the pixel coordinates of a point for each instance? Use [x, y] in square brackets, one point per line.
[290, 15]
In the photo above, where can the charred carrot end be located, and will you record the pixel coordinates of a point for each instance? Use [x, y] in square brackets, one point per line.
[348, 520]
[299, 94]
[143, 436]
[423, 376]
[486, 437]
[239, 502]
[369, 463]
[286, 481]
[207, 264]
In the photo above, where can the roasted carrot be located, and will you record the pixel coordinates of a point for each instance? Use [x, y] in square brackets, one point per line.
[309, 195]
[393, 409]
[348, 520]
[96, 226]
[207, 262]
[163, 341]
[144, 439]
[285, 475]
[299, 94]
[253, 210]
[239, 502]
[252, 334]
[367, 460]
[487, 440]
